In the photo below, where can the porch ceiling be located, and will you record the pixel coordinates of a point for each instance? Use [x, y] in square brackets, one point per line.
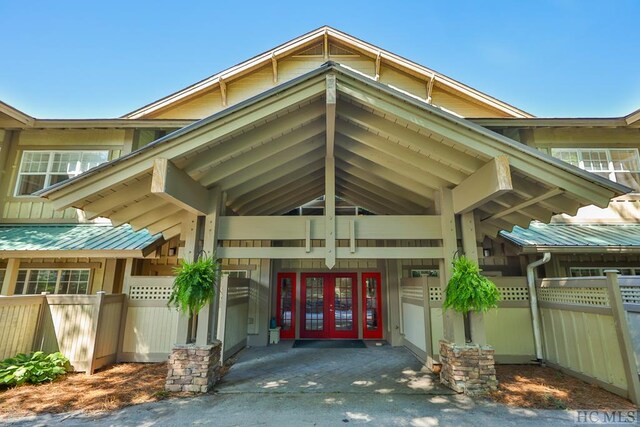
[392, 156]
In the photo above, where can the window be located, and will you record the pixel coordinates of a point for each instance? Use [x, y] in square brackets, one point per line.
[620, 165]
[41, 169]
[425, 273]
[67, 281]
[599, 271]
[235, 274]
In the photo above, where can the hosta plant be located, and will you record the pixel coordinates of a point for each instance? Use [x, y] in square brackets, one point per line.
[33, 368]
[194, 285]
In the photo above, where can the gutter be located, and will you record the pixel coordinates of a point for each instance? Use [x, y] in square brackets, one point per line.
[533, 300]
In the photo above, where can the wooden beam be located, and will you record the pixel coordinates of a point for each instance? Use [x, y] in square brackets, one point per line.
[425, 143]
[274, 66]
[411, 203]
[247, 190]
[135, 209]
[378, 63]
[402, 167]
[10, 277]
[325, 46]
[242, 161]
[175, 186]
[223, 92]
[123, 195]
[385, 173]
[165, 223]
[218, 151]
[520, 206]
[330, 113]
[488, 182]
[154, 216]
[453, 325]
[401, 152]
[319, 253]
[330, 212]
[470, 249]
[286, 199]
[430, 84]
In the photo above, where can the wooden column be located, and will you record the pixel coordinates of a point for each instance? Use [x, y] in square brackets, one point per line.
[330, 175]
[624, 336]
[470, 248]
[10, 277]
[189, 234]
[207, 322]
[453, 323]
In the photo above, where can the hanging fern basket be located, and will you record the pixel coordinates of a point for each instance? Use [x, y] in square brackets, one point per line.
[194, 285]
[468, 291]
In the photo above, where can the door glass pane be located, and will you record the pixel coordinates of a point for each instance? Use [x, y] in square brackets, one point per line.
[343, 314]
[314, 304]
[372, 304]
[286, 302]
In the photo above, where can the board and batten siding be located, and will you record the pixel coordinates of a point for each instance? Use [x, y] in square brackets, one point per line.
[261, 80]
[20, 209]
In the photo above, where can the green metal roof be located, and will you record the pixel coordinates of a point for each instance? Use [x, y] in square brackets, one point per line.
[73, 237]
[583, 237]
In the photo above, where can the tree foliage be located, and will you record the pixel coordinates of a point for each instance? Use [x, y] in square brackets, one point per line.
[194, 285]
[468, 290]
[33, 368]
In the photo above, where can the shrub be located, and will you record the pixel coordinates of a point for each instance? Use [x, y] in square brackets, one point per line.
[33, 368]
[194, 285]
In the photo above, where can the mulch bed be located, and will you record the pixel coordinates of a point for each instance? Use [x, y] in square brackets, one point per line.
[113, 388]
[125, 384]
[530, 386]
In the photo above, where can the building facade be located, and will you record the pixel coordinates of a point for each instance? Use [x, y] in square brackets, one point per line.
[339, 178]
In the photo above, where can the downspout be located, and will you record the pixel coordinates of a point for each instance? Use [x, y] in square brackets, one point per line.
[533, 300]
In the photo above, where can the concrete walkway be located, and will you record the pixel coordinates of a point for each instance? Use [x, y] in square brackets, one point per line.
[282, 386]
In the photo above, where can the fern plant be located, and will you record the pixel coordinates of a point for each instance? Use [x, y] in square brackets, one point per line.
[469, 291]
[194, 285]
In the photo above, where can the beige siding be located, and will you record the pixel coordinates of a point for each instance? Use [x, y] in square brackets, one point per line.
[18, 324]
[109, 327]
[34, 208]
[150, 330]
[462, 106]
[585, 343]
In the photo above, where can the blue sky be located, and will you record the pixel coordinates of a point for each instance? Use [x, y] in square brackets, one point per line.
[553, 58]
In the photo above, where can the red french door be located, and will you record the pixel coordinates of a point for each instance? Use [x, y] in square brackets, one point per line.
[372, 306]
[329, 305]
[286, 305]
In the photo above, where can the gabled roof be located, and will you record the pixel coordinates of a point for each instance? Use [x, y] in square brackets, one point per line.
[10, 116]
[326, 35]
[393, 152]
[559, 237]
[69, 240]
[633, 119]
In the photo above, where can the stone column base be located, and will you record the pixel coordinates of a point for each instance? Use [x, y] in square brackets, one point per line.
[468, 369]
[194, 368]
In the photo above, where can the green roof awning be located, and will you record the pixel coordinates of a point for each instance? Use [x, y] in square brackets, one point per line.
[71, 240]
[562, 237]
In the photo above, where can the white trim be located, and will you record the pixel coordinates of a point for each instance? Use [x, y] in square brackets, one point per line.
[59, 272]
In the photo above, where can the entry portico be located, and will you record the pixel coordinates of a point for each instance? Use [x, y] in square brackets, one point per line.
[429, 177]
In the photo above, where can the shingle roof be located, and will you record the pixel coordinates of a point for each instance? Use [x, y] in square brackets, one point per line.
[596, 236]
[73, 237]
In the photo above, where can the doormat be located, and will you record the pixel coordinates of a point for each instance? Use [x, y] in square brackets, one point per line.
[329, 344]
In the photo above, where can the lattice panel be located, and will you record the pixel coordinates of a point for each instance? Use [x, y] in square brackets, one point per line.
[630, 294]
[414, 292]
[595, 297]
[435, 294]
[510, 293]
[149, 293]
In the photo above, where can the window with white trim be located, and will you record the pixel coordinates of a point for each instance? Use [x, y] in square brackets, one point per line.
[599, 271]
[620, 165]
[42, 169]
[55, 281]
